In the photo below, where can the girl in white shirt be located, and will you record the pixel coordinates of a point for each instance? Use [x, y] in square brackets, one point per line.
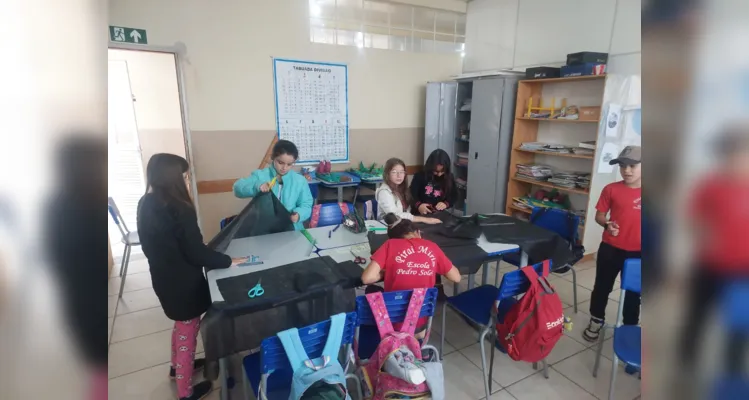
[393, 195]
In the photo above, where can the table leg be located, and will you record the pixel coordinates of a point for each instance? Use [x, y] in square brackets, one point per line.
[356, 194]
[523, 259]
[484, 274]
[471, 281]
[223, 375]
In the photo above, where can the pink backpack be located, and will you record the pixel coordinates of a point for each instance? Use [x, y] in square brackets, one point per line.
[377, 384]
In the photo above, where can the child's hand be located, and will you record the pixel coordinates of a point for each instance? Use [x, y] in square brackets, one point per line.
[265, 187]
[441, 206]
[425, 209]
[238, 260]
[294, 217]
[613, 228]
[432, 221]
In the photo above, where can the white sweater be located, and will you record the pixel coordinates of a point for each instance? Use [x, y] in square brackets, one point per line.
[388, 202]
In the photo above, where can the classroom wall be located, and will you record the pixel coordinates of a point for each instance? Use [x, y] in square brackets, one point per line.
[227, 52]
[514, 34]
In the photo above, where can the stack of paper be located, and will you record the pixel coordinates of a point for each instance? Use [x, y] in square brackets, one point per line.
[591, 144]
[571, 179]
[583, 151]
[541, 146]
[536, 172]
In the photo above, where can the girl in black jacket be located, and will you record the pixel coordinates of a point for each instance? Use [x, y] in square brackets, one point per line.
[172, 242]
[434, 188]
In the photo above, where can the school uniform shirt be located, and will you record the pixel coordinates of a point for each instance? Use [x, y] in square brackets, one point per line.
[293, 191]
[388, 202]
[719, 204]
[172, 242]
[411, 263]
[432, 191]
[624, 206]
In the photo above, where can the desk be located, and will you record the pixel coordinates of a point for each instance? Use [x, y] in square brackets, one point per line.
[342, 254]
[283, 246]
[341, 237]
[354, 182]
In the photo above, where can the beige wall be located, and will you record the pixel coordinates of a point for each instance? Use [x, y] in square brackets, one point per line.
[153, 82]
[227, 49]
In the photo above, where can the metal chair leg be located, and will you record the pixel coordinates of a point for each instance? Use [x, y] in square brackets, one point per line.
[484, 370]
[442, 332]
[122, 264]
[574, 287]
[601, 339]
[126, 262]
[546, 368]
[614, 364]
[493, 337]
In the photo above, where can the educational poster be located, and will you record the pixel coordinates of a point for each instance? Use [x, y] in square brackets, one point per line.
[613, 117]
[609, 152]
[312, 108]
[634, 128]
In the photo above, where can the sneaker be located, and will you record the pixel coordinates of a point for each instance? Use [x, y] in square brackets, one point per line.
[199, 391]
[593, 330]
[197, 366]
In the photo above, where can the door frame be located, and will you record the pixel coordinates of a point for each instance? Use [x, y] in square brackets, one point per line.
[178, 62]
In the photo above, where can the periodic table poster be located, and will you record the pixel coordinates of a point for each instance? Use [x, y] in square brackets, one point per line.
[312, 108]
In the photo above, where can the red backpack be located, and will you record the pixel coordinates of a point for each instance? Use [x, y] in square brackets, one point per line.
[534, 324]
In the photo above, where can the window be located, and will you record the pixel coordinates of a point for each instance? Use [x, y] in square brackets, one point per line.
[386, 25]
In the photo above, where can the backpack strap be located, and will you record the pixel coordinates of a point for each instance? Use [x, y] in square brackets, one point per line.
[335, 335]
[414, 309]
[293, 347]
[380, 312]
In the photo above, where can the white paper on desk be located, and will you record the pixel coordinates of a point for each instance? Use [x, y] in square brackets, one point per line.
[613, 119]
[608, 153]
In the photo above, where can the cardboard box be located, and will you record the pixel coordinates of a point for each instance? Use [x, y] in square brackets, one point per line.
[585, 57]
[583, 69]
[592, 113]
[542, 72]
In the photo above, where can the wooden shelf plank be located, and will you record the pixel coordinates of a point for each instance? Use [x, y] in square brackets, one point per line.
[551, 153]
[519, 209]
[565, 79]
[551, 185]
[572, 121]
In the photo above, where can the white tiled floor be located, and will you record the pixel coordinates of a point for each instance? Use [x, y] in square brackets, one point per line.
[140, 334]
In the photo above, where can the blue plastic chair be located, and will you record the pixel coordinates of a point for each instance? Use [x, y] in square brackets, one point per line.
[330, 214]
[367, 337]
[129, 239]
[268, 372]
[627, 338]
[561, 222]
[478, 305]
[226, 221]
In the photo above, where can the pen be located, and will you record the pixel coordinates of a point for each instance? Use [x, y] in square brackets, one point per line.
[330, 234]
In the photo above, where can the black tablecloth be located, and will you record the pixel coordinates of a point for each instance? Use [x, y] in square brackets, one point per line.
[540, 244]
[240, 323]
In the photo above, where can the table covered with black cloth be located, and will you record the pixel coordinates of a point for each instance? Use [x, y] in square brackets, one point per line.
[538, 243]
[296, 294]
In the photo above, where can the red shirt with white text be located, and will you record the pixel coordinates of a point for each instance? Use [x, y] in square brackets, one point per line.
[411, 263]
[624, 206]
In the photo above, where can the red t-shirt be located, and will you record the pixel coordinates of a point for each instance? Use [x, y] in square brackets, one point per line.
[411, 263]
[624, 206]
[719, 206]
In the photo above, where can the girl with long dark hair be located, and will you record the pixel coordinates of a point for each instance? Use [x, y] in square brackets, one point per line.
[172, 242]
[393, 195]
[434, 188]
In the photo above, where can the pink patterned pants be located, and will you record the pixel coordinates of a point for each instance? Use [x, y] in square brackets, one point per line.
[184, 341]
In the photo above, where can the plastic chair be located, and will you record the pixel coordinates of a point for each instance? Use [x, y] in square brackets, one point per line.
[129, 238]
[561, 222]
[268, 372]
[479, 305]
[627, 338]
[367, 337]
[330, 214]
[226, 221]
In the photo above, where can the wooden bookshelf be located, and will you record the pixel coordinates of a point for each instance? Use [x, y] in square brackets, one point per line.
[526, 130]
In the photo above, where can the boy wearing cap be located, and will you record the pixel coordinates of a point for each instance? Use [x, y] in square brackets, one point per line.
[618, 211]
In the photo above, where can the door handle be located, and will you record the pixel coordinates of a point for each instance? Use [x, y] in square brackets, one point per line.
[476, 155]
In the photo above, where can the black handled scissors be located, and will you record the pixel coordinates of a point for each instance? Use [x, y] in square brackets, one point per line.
[358, 260]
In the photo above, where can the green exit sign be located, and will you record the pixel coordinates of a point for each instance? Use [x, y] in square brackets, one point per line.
[127, 35]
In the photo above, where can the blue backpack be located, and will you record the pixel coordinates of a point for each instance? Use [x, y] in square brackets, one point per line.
[324, 373]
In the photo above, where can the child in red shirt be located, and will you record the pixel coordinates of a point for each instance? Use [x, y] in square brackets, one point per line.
[618, 211]
[408, 261]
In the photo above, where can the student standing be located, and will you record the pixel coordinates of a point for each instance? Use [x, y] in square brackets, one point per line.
[172, 242]
[393, 195]
[291, 188]
[618, 211]
[434, 189]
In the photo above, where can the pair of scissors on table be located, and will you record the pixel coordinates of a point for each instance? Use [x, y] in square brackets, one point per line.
[257, 290]
[358, 260]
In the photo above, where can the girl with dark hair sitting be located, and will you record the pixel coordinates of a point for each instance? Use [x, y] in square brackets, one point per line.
[434, 188]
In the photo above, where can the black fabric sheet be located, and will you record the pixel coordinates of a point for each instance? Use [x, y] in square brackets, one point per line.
[540, 244]
[458, 227]
[263, 215]
[466, 255]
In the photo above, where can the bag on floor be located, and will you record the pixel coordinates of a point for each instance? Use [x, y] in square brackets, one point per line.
[532, 326]
[377, 384]
[321, 378]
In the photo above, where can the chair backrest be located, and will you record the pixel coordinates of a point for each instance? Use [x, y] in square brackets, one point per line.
[562, 222]
[515, 282]
[735, 299]
[313, 337]
[329, 214]
[631, 275]
[117, 217]
[226, 221]
[397, 305]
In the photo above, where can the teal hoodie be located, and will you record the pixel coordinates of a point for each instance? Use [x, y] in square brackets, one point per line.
[295, 196]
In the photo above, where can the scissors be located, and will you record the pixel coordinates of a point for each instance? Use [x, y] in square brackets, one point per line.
[358, 260]
[257, 290]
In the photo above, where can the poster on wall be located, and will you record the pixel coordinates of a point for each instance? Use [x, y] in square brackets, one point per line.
[312, 108]
[608, 153]
[634, 128]
[613, 119]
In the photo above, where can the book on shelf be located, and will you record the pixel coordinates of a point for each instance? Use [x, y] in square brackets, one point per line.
[589, 144]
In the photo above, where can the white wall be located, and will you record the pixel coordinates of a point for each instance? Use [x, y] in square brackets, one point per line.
[515, 34]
